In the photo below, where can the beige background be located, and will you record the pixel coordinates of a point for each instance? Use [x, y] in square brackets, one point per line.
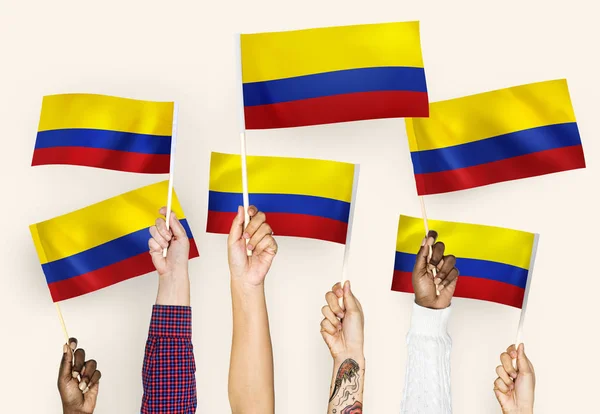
[183, 51]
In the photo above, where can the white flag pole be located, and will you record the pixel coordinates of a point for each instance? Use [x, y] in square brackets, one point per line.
[536, 240]
[171, 167]
[349, 232]
[424, 214]
[242, 126]
[62, 322]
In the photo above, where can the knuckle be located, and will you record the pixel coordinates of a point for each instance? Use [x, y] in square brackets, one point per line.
[450, 259]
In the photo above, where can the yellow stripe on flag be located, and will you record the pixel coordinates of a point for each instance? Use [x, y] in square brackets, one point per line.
[485, 115]
[281, 175]
[278, 55]
[88, 111]
[472, 241]
[116, 217]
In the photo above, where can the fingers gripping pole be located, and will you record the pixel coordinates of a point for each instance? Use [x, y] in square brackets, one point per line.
[424, 214]
[171, 167]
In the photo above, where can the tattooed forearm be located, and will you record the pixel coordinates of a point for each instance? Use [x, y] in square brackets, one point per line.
[346, 394]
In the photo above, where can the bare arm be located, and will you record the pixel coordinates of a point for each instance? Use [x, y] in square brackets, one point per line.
[251, 367]
[251, 387]
[342, 329]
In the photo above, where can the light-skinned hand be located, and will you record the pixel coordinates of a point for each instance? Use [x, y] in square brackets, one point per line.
[173, 269]
[250, 270]
[343, 325]
[515, 388]
[424, 283]
[78, 380]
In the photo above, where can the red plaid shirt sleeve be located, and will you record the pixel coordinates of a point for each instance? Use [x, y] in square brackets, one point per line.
[168, 375]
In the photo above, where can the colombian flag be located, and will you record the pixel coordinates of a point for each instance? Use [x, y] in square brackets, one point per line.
[102, 244]
[333, 74]
[302, 197]
[495, 263]
[105, 132]
[497, 136]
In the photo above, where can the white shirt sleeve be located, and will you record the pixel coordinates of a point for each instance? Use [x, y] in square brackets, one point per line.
[427, 384]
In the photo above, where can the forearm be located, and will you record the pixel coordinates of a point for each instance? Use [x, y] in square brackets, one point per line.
[428, 363]
[347, 384]
[173, 290]
[251, 387]
[168, 374]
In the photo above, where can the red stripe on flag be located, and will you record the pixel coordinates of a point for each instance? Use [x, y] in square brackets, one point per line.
[103, 158]
[530, 165]
[472, 288]
[338, 108]
[107, 276]
[284, 224]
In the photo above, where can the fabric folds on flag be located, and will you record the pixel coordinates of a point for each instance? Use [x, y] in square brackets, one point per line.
[301, 197]
[504, 135]
[105, 132]
[102, 244]
[494, 262]
[333, 74]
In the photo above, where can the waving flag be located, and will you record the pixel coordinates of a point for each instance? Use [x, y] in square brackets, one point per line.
[333, 74]
[102, 244]
[302, 197]
[494, 262]
[503, 135]
[105, 132]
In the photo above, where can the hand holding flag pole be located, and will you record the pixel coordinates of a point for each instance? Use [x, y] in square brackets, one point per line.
[424, 213]
[172, 167]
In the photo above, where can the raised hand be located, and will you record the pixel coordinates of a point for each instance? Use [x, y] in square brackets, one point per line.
[78, 380]
[174, 285]
[343, 332]
[424, 282]
[515, 388]
[250, 270]
[342, 328]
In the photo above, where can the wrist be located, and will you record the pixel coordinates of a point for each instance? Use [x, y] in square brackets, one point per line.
[173, 289]
[241, 284]
[67, 410]
[357, 356]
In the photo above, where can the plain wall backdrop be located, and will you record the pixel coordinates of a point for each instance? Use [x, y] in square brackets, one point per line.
[183, 50]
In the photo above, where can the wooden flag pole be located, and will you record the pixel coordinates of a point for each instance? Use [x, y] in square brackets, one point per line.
[242, 120]
[349, 232]
[526, 296]
[424, 214]
[171, 167]
[62, 322]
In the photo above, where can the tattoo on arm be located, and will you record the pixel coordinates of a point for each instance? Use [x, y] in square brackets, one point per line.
[346, 385]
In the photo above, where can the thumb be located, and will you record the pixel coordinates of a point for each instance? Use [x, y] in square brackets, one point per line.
[350, 302]
[523, 363]
[237, 227]
[66, 364]
[176, 227]
[423, 255]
